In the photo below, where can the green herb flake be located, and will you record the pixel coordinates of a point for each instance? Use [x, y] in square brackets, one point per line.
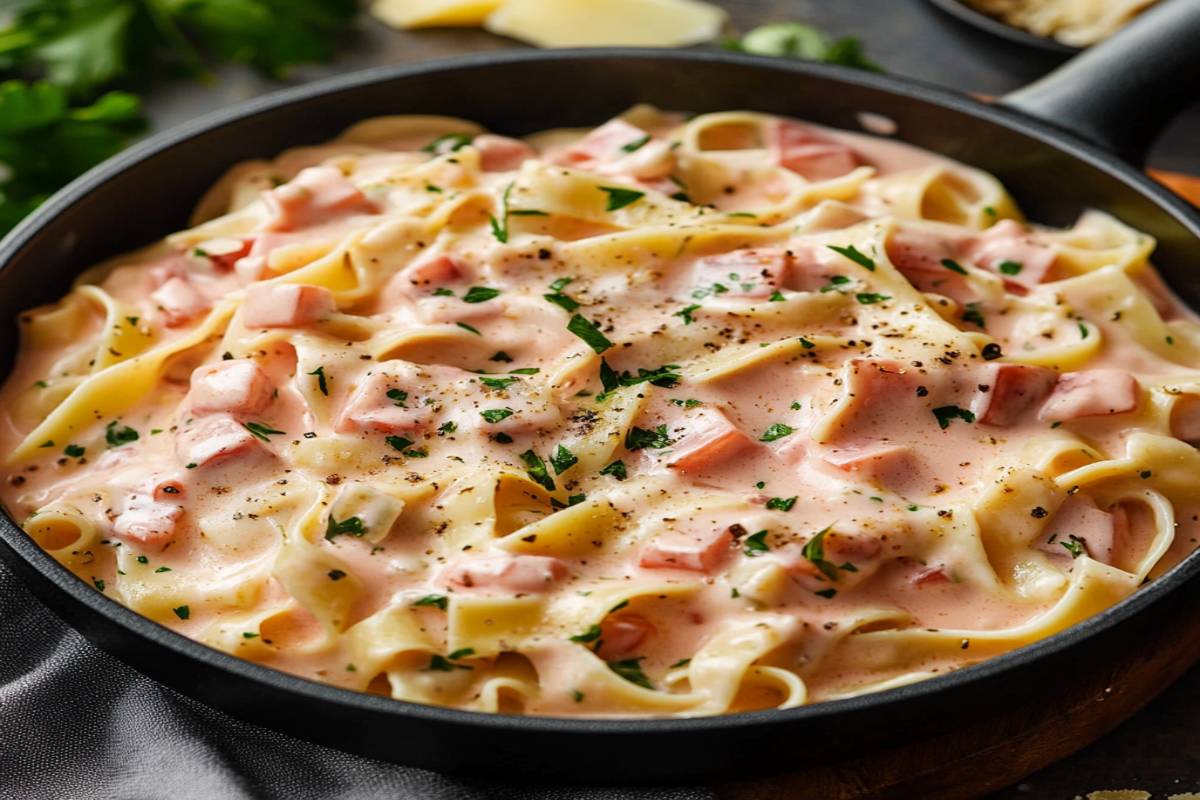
[814, 551]
[261, 430]
[590, 635]
[536, 468]
[398, 443]
[638, 438]
[947, 414]
[435, 600]
[972, 314]
[619, 197]
[589, 332]
[116, 437]
[631, 670]
[498, 383]
[469, 328]
[1010, 267]
[755, 544]
[953, 266]
[446, 428]
[183, 612]
[781, 503]
[852, 253]
[351, 525]
[636, 144]
[686, 313]
[319, 372]
[480, 294]
[562, 460]
[776, 431]
[448, 143]
[1074, 545]
[871, 298]
[616, 469]
[502, 357]
[494, 415]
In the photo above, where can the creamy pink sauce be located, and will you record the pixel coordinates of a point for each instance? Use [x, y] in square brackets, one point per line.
[876, 395]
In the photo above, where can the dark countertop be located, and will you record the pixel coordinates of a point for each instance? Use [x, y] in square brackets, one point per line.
[1159, 749]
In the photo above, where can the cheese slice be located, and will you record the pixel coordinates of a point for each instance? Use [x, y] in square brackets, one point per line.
[597, 23]
[433, 13]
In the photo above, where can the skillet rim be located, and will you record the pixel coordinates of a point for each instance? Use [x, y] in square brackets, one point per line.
[24, 547]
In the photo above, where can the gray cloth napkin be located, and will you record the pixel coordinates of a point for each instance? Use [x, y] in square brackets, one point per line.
[77, 723]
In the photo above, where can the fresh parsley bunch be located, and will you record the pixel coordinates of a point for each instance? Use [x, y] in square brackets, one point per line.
[57, 57]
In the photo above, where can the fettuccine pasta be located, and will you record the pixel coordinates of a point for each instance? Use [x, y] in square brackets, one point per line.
[673, 417]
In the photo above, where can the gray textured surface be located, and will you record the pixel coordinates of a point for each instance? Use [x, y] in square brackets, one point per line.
[76, 723]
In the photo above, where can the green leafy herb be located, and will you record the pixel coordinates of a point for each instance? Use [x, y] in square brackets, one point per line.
[947, 414]
[1075, 546]
[500, 224]
[814, 551]
[590, 635]
[494, 415]
[442, 291]
[690, 402]
[683, 662]
[851, 252]
[776, 431]
[562, 460]
[828, 594]
[183, 612]
[589, 332]
[525, 371]
[953, 266]
[797, 40]
[616, 469]
[631, 670]
[870, 298]
[1011, 267]
[619, 197]
[806, 344]
[448, 143]
[498, 383]
[442, 664]
[565, 302]
[469, 328]
[462, 652]
[261, 430]
[1083, 331]
[399, 397]
[636, 144]
[351, 525]
[776, 297]
[686, 312]
[638, 438]
[537, 470]
[74, 451]
[319, 372]
[115, 437]
[781, 503]
[398, 443]
[755, 544]
[972, 314]
[447, 428]
[437, 600]
[480, 294]
[502, 357]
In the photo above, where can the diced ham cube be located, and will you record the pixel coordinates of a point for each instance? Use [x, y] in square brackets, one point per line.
[810, 154]
[520, 574]
[370, 408]
[433, 272]
[701, 551]
[603, 144]
[147, 521]
[179, 301]
[1010, 241]
[224, 253]
[500, 153]
[213, 439]
[892, 466]
[1079, 520]
[1185, 419]
[286, 305]
[877, 388]
[1091, 393]
[622, 634]
[711, 440]
[316, 195]
[238, 386]
[743, 273]
[1012, 390]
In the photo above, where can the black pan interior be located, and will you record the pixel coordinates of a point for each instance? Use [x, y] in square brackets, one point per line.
[149, 191]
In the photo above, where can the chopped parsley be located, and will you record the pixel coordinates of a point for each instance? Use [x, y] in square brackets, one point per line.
[814, 551]
[616, 469]
[691, 402]
[947, 414]
[1075, 546]
[972, 314]
[480, 294]
[442, 664]
[74, 451]
[639, 438]
[448, 143]
[776, 297]
[589, 332]
[442, 291]
[834, 282]
[1083, 331]
[447, 428]
[851, 252]
[119, 436]
[776, 431]
[562, 460]
[469, 328]
[1010, 267]
[686, 313]
[399, 443]
[261, 430]
[319, 372]
[437, 600]
[99, 584]
[351, 525]
[399, 397]
[500, 225]
[590, 635]
[756, 544]
[806, 344]
[183, 612]
[494, 415]
[870, 298]
[636, 144]
[565, 302]
[631, 670]
[953, 266]
[498, 383]
[537, 471]
[502, 357]
[619, 197]
[781, 503]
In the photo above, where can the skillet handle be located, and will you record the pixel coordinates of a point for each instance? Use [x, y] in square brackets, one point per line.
[1121, 93]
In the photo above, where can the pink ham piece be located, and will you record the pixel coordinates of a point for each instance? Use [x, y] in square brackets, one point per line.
[224, 253]
[1091, 393]
[315, 196]
[500, 153]
[1100, 532]
[802, 150]
[519, 574]
[752, 273]
[622, 634]
[603, 144]
[238, 386]
[286, 305]
[1011, 241]
[213, 439]
[893, 466]
[371, 409]
[878, 388]
[693, 552]
[179, 301]
[919, 255]
[433, 272]
[710, 441]
[147, 521]
[1012, 390]
[1185, 419]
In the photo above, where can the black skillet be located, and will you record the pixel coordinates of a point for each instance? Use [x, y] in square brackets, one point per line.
[1113, 97]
